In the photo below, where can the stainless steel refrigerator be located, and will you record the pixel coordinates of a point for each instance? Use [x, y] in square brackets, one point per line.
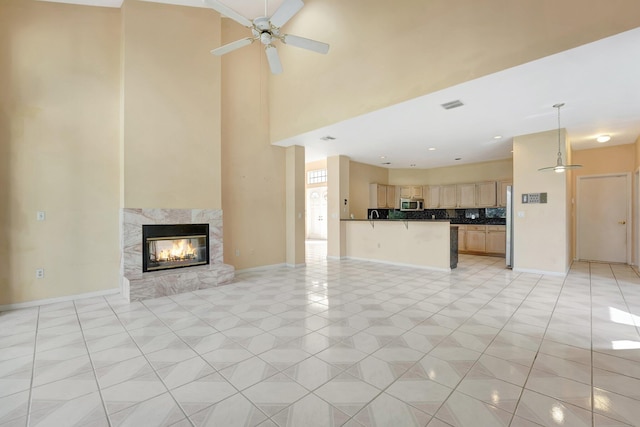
[509, 228]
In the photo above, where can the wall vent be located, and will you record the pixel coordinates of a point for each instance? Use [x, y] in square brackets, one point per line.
[452, 104]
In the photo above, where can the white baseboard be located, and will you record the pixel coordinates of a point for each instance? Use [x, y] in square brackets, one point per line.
[40, 302]
[296, 265]
[261, 268]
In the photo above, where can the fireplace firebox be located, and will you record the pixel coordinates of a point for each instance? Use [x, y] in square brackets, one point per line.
[169, 246]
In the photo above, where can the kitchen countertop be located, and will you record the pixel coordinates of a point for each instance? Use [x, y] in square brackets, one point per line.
[453, 221]
[397, 219]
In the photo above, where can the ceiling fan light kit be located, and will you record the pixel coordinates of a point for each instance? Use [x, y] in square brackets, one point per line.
[559, 167]
[267, 31]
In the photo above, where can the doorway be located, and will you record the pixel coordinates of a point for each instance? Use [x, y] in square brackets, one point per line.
[317, 213]
[603, 212]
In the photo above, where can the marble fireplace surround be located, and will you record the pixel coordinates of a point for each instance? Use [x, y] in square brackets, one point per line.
[136, 285]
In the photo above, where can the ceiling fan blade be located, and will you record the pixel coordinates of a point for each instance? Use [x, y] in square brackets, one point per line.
[304, 43]
[228, 12]
[274, 59]
[285, 12]
[232, 46]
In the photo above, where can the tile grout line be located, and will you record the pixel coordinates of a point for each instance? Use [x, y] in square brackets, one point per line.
[33, 367]
[93, 368]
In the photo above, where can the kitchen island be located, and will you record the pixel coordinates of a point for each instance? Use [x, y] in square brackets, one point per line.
[421, 243]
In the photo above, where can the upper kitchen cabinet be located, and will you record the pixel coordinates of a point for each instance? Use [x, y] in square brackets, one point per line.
[476, 195]
[441, 196]
[448, 196]
[381, 196]
[432, 201]
[502, 192]
[411, 192]
[486, 194]
[391, 197]
[466, 195]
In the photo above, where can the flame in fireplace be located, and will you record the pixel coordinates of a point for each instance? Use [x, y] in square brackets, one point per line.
[180, 250]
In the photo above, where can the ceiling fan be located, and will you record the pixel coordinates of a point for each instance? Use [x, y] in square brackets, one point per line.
[267, 30]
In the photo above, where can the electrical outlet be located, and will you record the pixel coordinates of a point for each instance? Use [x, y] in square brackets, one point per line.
[39, 273]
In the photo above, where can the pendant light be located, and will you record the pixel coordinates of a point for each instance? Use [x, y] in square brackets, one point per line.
[559, 166]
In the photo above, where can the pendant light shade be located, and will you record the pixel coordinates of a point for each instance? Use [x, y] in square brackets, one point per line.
[559, 167]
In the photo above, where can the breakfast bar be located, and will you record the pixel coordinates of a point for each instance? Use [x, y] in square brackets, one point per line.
[431, 244]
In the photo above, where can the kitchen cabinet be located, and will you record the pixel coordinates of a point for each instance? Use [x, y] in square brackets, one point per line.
[462, 238]
[476, 238]
[496, 239]
[381, 196]
[448, 198]
[391, 196]
[411, 192]
[466, 195]
[432, 201]
[486, 194]
[502, 192]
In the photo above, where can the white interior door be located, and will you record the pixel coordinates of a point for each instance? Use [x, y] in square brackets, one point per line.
[602, 213]
[317, 213]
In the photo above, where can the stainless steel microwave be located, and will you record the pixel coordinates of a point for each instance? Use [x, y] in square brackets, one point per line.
[411, 204]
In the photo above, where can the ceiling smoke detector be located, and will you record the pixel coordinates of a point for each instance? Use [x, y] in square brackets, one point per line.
[452, 104]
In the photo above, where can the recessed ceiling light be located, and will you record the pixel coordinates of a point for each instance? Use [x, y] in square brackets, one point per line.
[432, 149]
[497, 137]
[603, 138]
[458, 158]
[383, 157]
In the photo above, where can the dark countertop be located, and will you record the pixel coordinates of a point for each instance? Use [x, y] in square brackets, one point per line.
[396, 219]
[453, 221]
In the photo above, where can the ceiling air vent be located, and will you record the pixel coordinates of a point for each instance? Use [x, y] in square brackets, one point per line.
[452, 104]
[328, 138]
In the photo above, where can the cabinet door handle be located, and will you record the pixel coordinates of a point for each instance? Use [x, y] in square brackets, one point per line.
[622, 222]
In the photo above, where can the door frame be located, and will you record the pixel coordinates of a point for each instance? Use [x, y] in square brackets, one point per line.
[628, 192]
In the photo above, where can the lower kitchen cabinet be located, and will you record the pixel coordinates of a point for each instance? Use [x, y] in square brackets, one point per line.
[462, 238]
[476, 238]
[496, 242]
[482, 239]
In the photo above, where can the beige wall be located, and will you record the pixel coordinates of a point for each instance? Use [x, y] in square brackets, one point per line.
[541, 231]
[381, 55]
[295, 204]
[253, 171]
[171, 107]
[59, 130]
[616, 158]
[360, 176]
[338, 172]
[475, 172]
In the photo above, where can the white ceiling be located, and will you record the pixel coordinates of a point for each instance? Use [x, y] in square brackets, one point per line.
[598, 83]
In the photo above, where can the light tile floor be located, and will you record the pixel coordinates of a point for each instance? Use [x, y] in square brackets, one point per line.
[337, 343]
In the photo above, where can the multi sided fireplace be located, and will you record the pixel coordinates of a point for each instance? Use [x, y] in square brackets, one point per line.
[174, 246]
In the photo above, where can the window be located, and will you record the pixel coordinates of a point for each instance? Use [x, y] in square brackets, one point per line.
[317, 176]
